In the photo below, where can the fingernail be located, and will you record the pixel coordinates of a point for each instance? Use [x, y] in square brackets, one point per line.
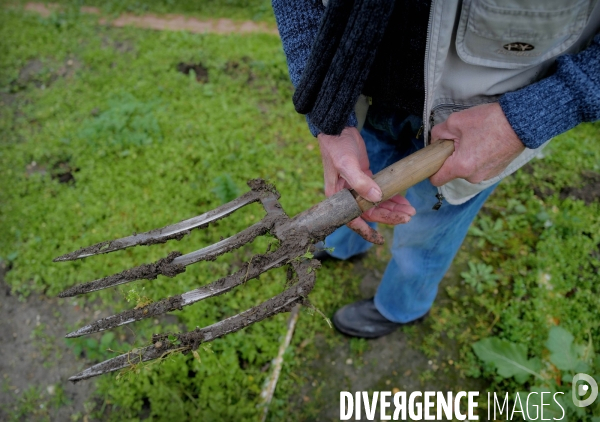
[374, 195]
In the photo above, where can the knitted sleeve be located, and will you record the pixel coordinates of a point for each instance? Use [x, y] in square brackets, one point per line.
[559, 102]
[298, 23]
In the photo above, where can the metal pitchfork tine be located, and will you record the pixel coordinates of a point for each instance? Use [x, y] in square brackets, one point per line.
[296, 235]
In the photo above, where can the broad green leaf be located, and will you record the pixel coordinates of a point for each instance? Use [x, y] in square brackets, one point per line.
[563, 353]
[567, 378]
[582, 367]
[510, 359]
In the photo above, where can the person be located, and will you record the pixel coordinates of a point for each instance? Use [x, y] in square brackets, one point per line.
[499, 79]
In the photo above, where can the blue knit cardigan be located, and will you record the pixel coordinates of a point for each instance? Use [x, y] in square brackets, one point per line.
[537, 112]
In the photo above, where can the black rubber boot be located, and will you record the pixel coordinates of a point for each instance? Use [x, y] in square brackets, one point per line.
[362, 319]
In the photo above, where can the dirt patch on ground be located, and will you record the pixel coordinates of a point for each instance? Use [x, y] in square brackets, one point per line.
[64, 172]
[7, 102]
[61, 170]
[241, 69]
[200, 71]
[121, 46]
[589, 191]
[168, 22]
[35, 356]
[29, 72]
[6, 99]
[42, 74]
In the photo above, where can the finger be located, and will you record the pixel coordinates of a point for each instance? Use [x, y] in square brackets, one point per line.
[365, 231]
[393, 207]
[341, 184]
[442, 131]
[399, 202]
[366, 187]
[381, 215]
[330, 177]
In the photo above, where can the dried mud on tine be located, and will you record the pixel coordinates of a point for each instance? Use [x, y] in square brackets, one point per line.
[151, 271]
[185, 342]
[250, 270]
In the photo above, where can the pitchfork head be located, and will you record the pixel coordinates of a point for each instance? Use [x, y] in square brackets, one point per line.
[296, 237]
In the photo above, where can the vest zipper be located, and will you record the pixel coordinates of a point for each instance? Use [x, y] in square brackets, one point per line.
[427, 47]
[426, 140]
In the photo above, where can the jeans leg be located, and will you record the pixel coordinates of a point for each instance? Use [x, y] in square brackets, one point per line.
[422, 252]
[344, 241]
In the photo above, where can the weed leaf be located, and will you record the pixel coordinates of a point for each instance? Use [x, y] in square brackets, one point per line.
[225, 188]
[509, 359]
[563, 353]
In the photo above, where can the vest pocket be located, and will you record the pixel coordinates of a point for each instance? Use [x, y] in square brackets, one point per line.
[490, 33]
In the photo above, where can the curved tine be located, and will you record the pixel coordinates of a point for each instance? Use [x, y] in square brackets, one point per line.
[173, 231]
[191, 340]
[258, 265]
[122, 361]
[173, 264]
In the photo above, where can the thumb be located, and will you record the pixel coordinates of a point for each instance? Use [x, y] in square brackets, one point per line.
[360, 182]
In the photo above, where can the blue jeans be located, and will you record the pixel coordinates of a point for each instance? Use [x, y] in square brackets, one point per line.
[424, 248]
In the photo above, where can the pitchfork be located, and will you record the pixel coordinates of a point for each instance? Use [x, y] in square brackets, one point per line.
[296, 235]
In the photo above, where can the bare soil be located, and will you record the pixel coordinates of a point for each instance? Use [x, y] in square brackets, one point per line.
[34, 354]
[64, 172]
[588, 191]
[42, 74]
[199, 69]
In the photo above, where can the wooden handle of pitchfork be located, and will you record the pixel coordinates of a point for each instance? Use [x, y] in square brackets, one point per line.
[409, 171]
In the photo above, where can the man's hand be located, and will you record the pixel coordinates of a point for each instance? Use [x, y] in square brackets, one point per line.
[346, 165]
[484, 143]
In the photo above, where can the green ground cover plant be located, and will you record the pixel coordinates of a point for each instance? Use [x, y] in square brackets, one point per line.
[102, 136]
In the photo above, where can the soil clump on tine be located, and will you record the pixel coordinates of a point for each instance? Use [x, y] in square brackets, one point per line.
[150, 271]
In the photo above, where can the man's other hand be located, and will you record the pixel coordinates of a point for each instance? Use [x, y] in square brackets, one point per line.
[484, 142]
[346, 165]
